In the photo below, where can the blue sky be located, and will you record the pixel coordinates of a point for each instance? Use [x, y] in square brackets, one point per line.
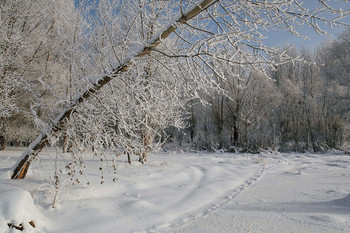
[282, 38]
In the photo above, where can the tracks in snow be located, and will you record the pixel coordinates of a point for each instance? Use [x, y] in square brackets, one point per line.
[217, 204]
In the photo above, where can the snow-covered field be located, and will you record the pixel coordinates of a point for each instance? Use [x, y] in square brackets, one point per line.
[185, 192]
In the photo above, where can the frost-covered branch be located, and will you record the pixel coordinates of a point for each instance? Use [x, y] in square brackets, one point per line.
[133, 65]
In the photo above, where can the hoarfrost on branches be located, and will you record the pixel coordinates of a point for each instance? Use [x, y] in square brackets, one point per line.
[133, 65]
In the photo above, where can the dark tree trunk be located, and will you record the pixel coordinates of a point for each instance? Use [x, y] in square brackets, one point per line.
[66, 145]
[235, 134]
[2, 142]
[235, 131]
[193, 124]
[129, 159]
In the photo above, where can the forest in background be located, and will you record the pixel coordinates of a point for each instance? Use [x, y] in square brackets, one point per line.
[303, 106]
[52, 50]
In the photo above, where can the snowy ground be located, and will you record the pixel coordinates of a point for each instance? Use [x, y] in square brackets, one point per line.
[193, 192]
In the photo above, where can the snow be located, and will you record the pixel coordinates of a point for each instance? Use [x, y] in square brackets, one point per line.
[17, 207]
[185, 192]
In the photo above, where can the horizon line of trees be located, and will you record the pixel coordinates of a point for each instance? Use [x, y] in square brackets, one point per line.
[303, 106]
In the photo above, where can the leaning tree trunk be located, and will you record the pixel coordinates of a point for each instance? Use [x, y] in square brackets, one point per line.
[19, 170]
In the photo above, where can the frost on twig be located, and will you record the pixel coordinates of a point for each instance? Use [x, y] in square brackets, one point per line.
[131, 67]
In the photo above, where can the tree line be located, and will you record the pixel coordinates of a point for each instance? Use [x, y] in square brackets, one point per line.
[129, 76]
[302, 106]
